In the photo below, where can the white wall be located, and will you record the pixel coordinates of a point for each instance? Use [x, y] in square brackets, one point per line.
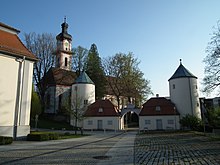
[83, 92]
[108, 123]
[15, 95]
[153, 122]
[185, 96]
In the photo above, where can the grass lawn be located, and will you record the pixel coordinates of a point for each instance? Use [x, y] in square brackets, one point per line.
[50, 124]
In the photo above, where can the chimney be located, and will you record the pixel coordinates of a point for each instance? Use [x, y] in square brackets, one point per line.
[157, 95]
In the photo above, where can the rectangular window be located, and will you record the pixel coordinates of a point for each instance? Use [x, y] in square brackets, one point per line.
[147, 122]
[109, 122]
[170, 121]
[174, 86]
[90, 122]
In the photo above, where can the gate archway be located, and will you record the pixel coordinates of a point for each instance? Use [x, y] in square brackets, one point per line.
[130, 116]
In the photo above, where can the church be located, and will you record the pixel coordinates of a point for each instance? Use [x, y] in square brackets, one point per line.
[158, 113]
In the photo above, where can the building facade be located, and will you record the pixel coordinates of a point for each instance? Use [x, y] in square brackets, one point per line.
[16, 70]
[159, 113]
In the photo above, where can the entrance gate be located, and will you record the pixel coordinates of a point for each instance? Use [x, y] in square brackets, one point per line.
[129, 108]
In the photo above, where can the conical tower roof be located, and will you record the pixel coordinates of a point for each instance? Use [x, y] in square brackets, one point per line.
[83, 79]
[64, 34]
[182, 72]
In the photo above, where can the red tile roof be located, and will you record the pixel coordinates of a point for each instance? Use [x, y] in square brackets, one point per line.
[12, 45]
[109, 109]
[166, 107]
[58, 76]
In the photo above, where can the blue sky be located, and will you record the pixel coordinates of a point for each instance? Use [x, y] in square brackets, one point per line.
[158, 32]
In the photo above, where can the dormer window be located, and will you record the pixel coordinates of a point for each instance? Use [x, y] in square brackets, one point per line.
[100, 110]
[157, 108]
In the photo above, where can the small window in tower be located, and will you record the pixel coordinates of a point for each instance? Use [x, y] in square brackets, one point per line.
[66, 48]
[66, 61]
[174, 86]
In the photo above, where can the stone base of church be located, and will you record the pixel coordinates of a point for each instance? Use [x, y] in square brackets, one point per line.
[21, 132]
[6, 131]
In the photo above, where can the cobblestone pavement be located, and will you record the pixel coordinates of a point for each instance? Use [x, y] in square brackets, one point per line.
[80, 151]
[176, 149]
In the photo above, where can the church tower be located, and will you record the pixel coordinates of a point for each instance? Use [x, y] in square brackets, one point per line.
[184, 92]
[64, 45]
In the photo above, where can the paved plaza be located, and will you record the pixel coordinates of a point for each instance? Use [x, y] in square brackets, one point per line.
[176, 149]
[116, 148]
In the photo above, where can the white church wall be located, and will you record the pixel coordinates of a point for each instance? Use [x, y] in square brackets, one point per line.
[83, 94]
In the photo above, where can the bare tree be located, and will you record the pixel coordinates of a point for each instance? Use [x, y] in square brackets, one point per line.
[43, 46]
[211, 81]
[79, 58]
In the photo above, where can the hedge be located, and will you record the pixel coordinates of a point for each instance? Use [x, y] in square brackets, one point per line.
[5, 140]
[42, 136]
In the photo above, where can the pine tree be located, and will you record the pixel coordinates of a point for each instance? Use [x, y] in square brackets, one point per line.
[94, 69]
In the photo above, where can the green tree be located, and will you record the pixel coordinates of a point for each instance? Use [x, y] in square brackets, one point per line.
[36, 108]
[79, 59]
[125, 78]
[211, 81]
[94, 69]
[213, 116]
[191, 122]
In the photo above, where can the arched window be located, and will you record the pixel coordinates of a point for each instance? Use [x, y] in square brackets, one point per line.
[66, 60]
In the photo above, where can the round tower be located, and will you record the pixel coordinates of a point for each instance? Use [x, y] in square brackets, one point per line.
[184, 92]
[83, 91]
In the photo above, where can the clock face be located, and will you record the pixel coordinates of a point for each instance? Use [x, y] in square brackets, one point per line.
[66, 43]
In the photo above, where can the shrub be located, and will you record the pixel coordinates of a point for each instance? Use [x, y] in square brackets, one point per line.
[42, 136]
[53, 136]
[191, 122]
[38, 137]
[5, 140]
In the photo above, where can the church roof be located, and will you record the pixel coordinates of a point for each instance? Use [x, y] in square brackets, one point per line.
[182, 72]
[58, 76]
[101, 108]
[166, 107]
[11, 44]
[83, 79]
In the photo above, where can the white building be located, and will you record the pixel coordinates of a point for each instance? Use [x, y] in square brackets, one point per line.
[102, 115]
[184, 92]
[159, 113]
[16, 72]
